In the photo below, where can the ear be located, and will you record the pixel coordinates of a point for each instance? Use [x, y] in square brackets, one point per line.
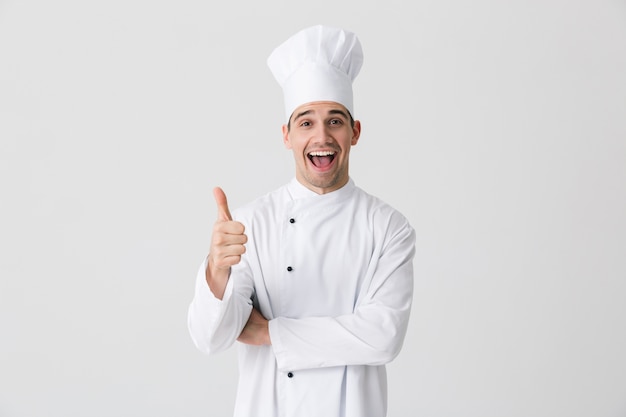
[286, 140]
[356, 132]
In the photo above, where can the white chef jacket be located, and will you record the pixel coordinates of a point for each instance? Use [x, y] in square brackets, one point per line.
[333, 274]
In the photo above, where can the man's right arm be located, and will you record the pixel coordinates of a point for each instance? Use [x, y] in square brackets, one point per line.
[215, 324]
[221, 307]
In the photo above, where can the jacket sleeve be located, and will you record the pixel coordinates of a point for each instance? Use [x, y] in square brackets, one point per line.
[372, 335]
[215, 324]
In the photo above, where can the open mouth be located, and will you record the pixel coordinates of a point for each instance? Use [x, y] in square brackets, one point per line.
[321, 159]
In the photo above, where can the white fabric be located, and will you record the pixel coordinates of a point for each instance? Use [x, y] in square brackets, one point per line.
[336, 318]
[317, 64]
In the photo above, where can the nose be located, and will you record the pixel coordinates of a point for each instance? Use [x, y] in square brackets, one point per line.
[322, 133]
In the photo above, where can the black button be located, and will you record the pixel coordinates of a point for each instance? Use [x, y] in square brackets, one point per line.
[290, 374]
[289, 269]
[292, 220]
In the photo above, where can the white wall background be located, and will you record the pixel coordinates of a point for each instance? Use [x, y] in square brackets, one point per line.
[498, 128]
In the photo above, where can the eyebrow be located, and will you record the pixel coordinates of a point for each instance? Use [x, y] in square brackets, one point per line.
[304, 113]
[337, 111]
[331, 111]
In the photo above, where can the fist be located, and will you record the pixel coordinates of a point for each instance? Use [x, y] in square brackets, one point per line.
[228, 239]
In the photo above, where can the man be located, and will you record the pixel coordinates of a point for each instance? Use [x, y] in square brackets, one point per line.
[315, 279]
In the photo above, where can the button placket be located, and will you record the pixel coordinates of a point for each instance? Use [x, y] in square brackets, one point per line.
[292, 221]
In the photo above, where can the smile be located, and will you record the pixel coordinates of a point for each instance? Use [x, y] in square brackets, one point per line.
[321, 159]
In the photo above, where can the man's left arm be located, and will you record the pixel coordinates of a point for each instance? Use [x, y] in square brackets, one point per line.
[372, 335]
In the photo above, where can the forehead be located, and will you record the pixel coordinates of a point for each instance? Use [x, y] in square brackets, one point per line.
[319, 108]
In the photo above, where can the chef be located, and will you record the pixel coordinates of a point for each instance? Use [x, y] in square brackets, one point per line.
[314, 280]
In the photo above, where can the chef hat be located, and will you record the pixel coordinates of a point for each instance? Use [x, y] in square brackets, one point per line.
[317, 64]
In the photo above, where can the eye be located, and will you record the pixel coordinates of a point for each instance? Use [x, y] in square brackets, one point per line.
[305, 123]
[335, 122]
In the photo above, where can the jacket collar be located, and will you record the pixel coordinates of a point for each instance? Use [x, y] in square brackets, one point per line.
[299, 191]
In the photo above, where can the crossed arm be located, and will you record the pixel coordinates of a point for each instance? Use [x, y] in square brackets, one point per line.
[372, 334]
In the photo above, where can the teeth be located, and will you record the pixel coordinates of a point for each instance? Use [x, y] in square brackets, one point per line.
[321, 153]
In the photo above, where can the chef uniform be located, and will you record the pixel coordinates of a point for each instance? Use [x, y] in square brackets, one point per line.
[331, 272]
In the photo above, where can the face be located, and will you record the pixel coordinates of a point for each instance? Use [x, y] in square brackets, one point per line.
[320, 137]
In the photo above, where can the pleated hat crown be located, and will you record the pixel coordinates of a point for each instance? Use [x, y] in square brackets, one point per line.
[317, 64]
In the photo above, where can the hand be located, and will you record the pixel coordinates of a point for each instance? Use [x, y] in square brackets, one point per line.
[256, 331]
[227, 246]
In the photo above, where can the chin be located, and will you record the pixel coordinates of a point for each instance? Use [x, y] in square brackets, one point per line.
[324, 183]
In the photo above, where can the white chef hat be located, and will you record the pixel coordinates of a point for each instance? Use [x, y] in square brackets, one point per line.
[317, 64]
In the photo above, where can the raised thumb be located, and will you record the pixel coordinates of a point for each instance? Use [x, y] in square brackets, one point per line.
[222, 205]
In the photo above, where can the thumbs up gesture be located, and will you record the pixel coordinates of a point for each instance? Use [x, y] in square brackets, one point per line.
[227, 246]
